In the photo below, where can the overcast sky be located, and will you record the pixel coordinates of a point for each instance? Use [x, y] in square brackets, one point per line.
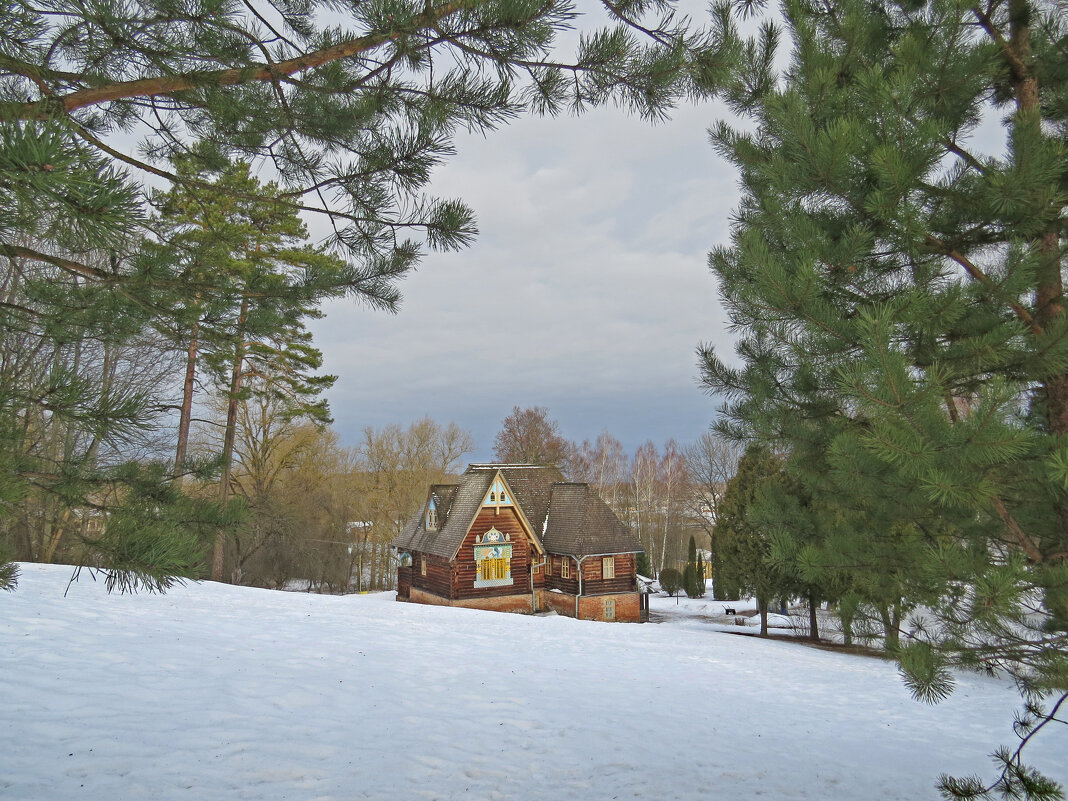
[586, 292]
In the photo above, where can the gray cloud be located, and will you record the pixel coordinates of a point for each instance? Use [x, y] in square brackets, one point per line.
[586, 292]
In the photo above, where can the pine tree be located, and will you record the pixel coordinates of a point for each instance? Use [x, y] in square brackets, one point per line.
[901, 297]
[353, 105]
[744, 538]
[250, 331]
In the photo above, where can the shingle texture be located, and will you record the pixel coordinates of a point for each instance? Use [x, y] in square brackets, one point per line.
[581, 523]
[567, 518]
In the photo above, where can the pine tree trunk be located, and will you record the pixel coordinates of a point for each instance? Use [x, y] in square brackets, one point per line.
[762, 605]
[230, 435]
[813, 619]
[185, 416]
[1049, 301]
[891, 626]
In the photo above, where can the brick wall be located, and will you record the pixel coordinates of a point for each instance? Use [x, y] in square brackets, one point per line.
[505, 603]
[592, 607]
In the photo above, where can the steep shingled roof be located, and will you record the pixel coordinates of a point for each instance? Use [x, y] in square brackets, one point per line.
[569, 516]
[453, 520]
[581, 523]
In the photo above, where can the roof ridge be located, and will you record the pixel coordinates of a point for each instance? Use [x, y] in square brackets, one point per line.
[499, 465]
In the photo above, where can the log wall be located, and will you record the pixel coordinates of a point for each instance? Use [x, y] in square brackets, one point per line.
[465, 571]
[438, 572]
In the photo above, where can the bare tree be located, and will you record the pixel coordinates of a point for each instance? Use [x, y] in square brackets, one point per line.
[674, 498]
[396, 467]
[711, 462]
[529, 436]
[603, 465]
[645, 495]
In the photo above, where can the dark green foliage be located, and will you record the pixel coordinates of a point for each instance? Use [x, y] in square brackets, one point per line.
[904, 344]
[693, 579]
[353, 104]
[156, 534]
[671, 581]
[259, 282]
[743, 536]
[645, 567]
[9, 571]
[689, 580]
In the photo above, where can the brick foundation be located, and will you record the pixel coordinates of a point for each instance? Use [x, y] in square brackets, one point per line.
[559, 602]
[502, 603]
[628, 607]
[592, 607]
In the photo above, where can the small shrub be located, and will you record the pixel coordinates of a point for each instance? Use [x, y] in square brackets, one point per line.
[671, 581]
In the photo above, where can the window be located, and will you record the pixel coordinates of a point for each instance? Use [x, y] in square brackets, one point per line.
[608, 567]
[565, 567]
[422, 565]
[493, 564]
[432, 517]
[609, 609]
[493, 569]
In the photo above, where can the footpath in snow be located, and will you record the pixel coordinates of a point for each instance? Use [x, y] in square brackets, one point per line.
[220, 692]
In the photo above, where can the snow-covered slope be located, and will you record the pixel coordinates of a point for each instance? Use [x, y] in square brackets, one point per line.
[219, 692]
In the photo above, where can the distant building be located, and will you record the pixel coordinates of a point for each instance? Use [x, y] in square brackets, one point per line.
[519, 538]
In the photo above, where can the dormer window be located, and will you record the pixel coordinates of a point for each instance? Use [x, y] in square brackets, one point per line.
[431, 516]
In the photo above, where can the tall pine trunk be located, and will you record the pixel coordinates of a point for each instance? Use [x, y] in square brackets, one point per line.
[230, 435]
[813, 619]
[185, 416]
[1049, 295]
[890, 614]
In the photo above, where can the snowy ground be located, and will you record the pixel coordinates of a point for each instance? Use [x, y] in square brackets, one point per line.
[220, 692]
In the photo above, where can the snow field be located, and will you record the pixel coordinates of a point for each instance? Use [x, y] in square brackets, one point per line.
[221, 692]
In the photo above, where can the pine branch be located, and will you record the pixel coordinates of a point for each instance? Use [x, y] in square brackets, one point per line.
[985, 280]
[1020, 537]
[253, 73]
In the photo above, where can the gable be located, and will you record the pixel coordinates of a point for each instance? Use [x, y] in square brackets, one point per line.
[555, 515]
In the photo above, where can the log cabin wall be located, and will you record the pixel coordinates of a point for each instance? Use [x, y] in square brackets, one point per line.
[465, 571]
[438, 572]
[554, 581]
[594, 583]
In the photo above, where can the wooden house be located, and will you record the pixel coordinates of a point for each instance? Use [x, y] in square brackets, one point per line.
[519, 538]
